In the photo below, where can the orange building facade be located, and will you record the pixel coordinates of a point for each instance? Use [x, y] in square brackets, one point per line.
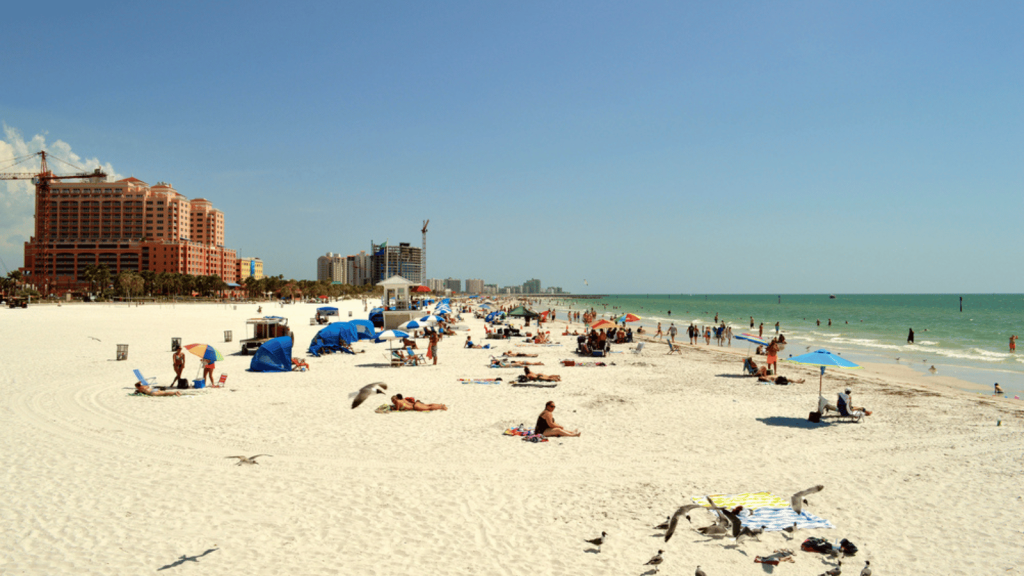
[124, 225]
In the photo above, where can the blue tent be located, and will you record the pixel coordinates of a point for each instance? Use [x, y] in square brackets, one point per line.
[364, 328]
[327, 309]
[273, 356]
[329, 338]
[495, 316]
[377, 317]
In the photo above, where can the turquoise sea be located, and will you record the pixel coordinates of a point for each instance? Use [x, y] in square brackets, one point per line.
[972, 345]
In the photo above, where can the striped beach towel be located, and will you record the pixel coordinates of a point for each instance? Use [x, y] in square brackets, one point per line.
[775, 519]
[480, 380]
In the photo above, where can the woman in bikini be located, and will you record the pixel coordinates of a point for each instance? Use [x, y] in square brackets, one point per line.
[518, 355]
[535, 377]
[404, 404]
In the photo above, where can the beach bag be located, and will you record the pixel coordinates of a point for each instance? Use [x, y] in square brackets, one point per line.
[782, 380]
[816, 545]
[568, 362]
[183, 383]
[814, 417]
[848, 548]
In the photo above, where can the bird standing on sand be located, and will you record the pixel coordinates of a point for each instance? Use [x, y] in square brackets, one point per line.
[790, 529]
[682, 511]
[367, 391]
[837, 571]
[867, 568]
[246, 459]
[656, 561]
[933, 369]
[664, 525]
[800, 498]
[699, 572]
[598, 541]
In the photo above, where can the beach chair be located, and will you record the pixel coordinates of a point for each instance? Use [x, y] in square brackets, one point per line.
[412, 356]
[844, 412]
[639, 348]
[143, 379]
[672, 349]
[824, 406]
[400, 358]
[220, 383]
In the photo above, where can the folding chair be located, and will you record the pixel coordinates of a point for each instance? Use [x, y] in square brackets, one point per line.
[674, 349]
[220, 383]
[143, 379]
[639, 348]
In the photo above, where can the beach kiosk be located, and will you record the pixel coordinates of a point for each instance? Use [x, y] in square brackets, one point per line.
[398, 307]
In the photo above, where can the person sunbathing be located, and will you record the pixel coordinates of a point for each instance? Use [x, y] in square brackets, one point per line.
[779, 379]
[750, 368]
[537, 377]
[148, 391]
[298, 364]
[518, 355]
[547, 426]
[502, 363]
[541, 338]
[405, 404]
[469, 344]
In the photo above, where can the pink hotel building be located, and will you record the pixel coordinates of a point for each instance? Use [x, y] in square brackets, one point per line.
[125, 225]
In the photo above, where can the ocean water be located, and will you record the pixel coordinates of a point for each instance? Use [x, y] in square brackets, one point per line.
[972, 345]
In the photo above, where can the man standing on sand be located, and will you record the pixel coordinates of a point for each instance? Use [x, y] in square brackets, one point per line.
[432, 346]
[179, 363]
[672, 331]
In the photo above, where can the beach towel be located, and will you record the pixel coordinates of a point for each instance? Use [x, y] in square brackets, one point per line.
[184, 394]
[775, 519]
[533, 385]
[749, 500]
[480, 380]
[518, 431]
[571, 363]
[540, 345]
[387, 409]
[535, 438]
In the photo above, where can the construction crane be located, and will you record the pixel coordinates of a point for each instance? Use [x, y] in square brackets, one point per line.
[44, 265]
[423, 254]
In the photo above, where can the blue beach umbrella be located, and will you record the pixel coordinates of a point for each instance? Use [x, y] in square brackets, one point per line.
[390, 335]
[823, 358]
[430, 319]
[413, 325]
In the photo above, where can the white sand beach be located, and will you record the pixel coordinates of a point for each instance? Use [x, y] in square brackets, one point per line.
[96, 481]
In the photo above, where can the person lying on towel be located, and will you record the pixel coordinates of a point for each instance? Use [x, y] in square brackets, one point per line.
[148, 391]
[536, 377]
[502, 363]
[404, 404]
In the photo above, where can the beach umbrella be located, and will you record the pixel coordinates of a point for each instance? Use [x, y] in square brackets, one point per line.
[390, 335]
[204, 351]
[602, 324]
[486, 306]
[825, 359]
[421, 289]
[752, 338]
[430, 319]
[413, 325]
[627, 318]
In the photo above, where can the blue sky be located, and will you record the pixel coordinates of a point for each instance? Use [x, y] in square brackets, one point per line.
[764, 147]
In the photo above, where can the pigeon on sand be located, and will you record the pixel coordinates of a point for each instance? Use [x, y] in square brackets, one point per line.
[367, 391]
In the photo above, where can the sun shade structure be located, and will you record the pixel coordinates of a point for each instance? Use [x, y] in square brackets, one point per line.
[823, 358]
[523, 312]
[630, 317]
[602, 324]
[273, 356]
[331, 337]
[204, 351]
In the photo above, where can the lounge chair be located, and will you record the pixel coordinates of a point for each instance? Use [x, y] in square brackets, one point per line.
[144, 380]
[824, 406]
[672, 349]
[639, 348]
[845, 412]
[411, 355]
[748, 368]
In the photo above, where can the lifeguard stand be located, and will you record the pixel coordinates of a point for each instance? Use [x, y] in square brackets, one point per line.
[398, 287]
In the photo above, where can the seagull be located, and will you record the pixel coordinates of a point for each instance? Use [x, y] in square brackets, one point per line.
[664, 525]
[730, 517]
[837, 571]
[714, 530]
[699, 572]
[96, 339]
[598, 541]
[790, 529]
[933, 369]
[867, 568]
[682, 511]
[897, 358]
[367, 391]
[800, 498]
[246, 459]
[749, 532]
[656, 561]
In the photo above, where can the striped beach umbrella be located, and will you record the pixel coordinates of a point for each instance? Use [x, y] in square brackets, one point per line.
[413, 325]
[204, 351]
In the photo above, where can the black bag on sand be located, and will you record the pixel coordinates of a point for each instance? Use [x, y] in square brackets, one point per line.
[182, 383]
[814, 416]
[848, 548]
[815, 544]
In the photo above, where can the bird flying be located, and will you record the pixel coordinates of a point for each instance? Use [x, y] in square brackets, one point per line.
[246, 459]
[800, 498]
[682, 511]
[367, 391]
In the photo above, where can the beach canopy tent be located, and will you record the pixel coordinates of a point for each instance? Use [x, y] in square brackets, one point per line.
[523, 312]
[364, 328]
[273, 356]
[377, 317]
[330, 338]
[327, 311]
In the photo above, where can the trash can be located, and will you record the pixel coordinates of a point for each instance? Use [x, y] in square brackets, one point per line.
[175, 343]
[122, 351]
[227, 335]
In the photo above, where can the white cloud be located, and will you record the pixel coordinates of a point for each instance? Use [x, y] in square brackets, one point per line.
[17, 197]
